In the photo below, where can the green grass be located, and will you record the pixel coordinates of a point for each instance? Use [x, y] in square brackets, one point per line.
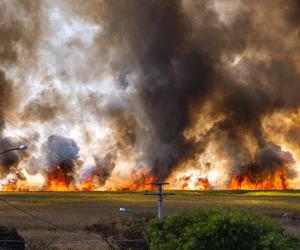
[75, 210]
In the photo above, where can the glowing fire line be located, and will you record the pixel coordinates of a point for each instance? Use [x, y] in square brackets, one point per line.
[139, 179]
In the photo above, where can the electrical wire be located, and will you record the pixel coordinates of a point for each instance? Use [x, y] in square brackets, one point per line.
[29, 140]
[39, 218]
[36, 143]
[29, 214]
[43, 147]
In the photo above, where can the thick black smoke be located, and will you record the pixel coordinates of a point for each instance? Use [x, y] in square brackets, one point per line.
[103, 168]
[62, 156]
[172, 72]
[268, 162]
[170, 59]
[184, 55]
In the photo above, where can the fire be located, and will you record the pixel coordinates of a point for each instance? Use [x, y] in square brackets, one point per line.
[189, 182]
[58, 181]
[87, 185]
[139, 179]
[253, 176]
[269, 171]
[185, 180]
[203, 183]
[248, 181]
[13, 187]
[9, 187]
[199, 184]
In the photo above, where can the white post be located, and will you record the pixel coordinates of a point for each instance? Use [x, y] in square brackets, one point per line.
[160, 198]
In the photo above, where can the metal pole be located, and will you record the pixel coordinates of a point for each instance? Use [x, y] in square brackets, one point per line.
[22, 147]
[8, 150]
[160, 197]
[160, 200]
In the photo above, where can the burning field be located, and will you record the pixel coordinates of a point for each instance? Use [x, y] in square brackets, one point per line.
[112, 95]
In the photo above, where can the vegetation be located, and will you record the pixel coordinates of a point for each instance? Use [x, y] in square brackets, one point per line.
[217, 229]
[74, 211]
[10, 239]
[124, 232]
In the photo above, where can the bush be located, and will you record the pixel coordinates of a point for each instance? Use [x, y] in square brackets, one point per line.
[124, 232]
[10, 239]
[217, 229]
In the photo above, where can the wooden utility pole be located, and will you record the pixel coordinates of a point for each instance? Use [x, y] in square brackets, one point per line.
[160, 196]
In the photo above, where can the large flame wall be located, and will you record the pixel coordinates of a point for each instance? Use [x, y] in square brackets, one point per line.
[111, 95]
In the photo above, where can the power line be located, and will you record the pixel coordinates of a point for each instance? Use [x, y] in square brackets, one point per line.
[40, 145]
[43, 147]
[38, 218]
[22, 138]
[31, 215]
[25, 140]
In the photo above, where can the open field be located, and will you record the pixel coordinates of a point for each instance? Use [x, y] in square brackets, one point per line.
[73, 211]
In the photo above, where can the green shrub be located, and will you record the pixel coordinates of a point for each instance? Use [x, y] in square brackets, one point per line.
[10, 239]
[124, 232]
[216, 229]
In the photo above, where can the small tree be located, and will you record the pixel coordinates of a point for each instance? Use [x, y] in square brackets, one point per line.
[217, 229]
[123, 232]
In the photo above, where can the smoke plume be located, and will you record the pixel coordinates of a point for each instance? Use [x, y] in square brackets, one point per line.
[173, 86]
[61, 157]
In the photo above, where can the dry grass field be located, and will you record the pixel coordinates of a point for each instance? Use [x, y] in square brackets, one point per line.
[73, 211]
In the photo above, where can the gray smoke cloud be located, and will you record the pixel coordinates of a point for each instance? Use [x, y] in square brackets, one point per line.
[6, 92]
[62, 155]
[266, 164]
[183, 59]
[103, 168]
[16, 41]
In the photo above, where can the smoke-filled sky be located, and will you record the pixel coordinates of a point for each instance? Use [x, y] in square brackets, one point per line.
[106, 87]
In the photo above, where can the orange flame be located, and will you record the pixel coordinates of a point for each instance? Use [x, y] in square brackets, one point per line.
[202, 184]
[58, 181]
[190, 182]
[276, 181]
[185, 184]
[11, 187]
[87, 185]
[139, 179]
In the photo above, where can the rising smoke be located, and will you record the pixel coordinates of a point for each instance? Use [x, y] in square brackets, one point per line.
[167, 85]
